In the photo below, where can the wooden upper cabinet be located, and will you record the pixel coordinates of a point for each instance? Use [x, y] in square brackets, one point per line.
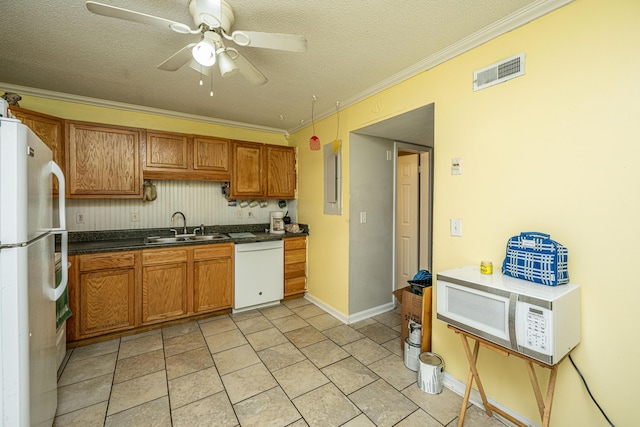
[165, 152]
[248, 178]
[178, 156]
[103, 161]
[50, 130]
[211, 155]
[281, 172]
[263, 171]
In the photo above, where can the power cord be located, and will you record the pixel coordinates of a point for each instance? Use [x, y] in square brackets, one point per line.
[589, 391]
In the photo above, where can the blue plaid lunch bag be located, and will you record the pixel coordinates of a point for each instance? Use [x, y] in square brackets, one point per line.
[535, 257]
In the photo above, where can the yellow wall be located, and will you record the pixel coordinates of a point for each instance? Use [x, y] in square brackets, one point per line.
[556, 151]
[90, 113]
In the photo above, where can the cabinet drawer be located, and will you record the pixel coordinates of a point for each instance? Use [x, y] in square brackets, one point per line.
[295, 256]
[163, 256]
[295, 285]
[295, 243]
[107, 260]
[213, 251]
[294, 270]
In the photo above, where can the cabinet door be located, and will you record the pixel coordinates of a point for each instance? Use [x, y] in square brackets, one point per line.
[105, 292]
[165, 152]
[164, 292]
[106, 301]
[247, 172]
[50, 130]
[281, 172]
[211, 158]
[213, 277]
[103, 161]
[164, 284]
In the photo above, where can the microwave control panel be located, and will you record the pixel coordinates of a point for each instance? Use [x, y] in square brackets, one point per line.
[538, 328]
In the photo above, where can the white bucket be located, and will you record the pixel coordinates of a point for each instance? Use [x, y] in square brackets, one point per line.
[430, 373]
[411, 354]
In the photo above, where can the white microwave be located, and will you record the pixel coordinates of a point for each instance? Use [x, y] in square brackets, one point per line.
[539, 321]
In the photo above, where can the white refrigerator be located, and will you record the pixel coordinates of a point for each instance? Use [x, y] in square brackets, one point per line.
[27, 281]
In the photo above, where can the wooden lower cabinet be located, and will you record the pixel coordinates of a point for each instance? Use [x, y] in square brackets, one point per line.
[118, 291]
[164, 284]
[213, 277]
[104, 294]
[295, 266]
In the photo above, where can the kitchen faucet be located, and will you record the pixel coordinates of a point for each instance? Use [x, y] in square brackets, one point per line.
[184, 222]
[201, 229]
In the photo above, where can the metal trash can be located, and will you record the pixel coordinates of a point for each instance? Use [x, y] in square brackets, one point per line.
[430, 373]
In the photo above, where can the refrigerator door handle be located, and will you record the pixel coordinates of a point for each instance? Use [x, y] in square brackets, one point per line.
[55, 169]
[57, 292]
[62, 230]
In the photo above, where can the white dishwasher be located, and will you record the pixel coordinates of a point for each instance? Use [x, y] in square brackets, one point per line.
[259, 274]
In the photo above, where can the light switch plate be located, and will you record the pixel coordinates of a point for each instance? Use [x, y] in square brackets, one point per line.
[456, 166]
[456, 227]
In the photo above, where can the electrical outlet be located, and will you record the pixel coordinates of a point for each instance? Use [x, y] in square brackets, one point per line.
[363, 217]
[239, 214]
[455, 226]
[79, 218]
[135, 216]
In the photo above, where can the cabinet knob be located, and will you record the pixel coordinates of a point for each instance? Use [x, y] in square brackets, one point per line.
[259, 293]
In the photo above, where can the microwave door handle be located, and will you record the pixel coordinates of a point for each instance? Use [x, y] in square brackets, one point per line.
[513, 300]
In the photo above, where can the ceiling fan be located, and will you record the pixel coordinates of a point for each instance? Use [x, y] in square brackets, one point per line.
[214, 21]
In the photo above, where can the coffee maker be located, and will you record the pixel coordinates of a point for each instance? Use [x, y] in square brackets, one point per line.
[277, 222]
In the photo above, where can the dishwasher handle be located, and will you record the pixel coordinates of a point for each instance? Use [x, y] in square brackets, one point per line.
[259, 246]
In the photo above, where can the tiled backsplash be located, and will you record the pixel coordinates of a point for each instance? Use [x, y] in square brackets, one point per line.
[201, 203]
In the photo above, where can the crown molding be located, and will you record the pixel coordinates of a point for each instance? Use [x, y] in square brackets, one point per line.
[515, 20]
[59, 96]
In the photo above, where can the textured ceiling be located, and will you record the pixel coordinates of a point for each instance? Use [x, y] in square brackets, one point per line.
[59, 46]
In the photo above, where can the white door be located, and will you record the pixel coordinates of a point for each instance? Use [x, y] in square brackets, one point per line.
[407, 219]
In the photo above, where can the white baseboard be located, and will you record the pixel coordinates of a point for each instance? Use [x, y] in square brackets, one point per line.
[458, 387]
[362, 315]
[341, 317]
[355, 317]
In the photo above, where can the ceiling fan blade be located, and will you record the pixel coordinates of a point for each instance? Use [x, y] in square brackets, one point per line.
[250, 72]
[178, 59]
[277, 41]
[141, 18]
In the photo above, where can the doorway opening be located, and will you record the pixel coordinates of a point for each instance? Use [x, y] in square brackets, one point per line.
[413, 211]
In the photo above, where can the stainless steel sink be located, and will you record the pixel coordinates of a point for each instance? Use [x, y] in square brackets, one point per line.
[185, 238]
[211, 237]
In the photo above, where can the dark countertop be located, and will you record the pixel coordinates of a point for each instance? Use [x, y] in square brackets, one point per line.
[126, 240]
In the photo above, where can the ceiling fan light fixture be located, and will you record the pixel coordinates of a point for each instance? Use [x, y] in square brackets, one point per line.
[226, 64]
[205, 53]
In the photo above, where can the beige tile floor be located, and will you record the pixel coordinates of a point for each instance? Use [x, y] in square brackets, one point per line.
[288, 365]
